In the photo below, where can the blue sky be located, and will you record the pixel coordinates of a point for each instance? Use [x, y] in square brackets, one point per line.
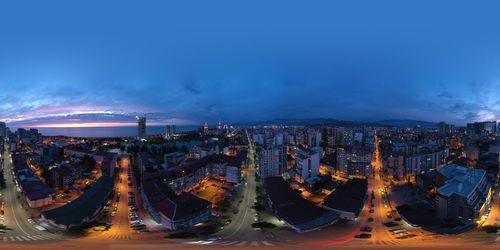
[186, 62]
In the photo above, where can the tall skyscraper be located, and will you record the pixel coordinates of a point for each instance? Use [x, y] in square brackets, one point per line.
[169, 133]
[141, 126]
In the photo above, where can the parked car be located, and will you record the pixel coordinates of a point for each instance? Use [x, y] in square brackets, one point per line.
[363, 236]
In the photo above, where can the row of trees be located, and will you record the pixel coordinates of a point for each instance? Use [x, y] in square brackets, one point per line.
[2, 176]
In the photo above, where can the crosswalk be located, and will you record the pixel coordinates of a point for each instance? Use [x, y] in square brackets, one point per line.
[232, 243]
[27, 238]
[119, 237]
[383, 242]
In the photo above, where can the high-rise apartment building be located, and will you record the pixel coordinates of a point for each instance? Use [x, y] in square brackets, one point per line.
[170, 131]
[141, 127]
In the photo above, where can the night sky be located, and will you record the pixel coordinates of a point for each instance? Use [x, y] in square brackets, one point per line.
[185, 62]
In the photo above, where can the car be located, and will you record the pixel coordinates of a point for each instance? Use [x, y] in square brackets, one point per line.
[372, 211]
[401, 231]
[213, 238]
[391, 224]
[363, 236]
[370, 219]
[100, 228]
[407, 236]
[113, 214]
[366, 229]
[2, 232]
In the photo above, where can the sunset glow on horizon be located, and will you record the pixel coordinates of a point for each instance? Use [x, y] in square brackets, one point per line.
[87, 125]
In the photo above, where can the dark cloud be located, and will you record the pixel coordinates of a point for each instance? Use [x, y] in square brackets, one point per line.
[191, 87]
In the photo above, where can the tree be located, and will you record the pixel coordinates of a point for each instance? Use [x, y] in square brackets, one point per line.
[2, 179]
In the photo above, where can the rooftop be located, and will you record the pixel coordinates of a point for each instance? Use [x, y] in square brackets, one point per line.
[172, 206]
[348, 197]
[461, 180]
[77, 211]
[289, 205]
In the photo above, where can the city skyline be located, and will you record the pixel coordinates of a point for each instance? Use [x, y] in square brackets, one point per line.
[331, 60]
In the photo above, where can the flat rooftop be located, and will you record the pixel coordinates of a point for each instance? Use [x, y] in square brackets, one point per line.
[289, 205]
[461, 180]
[348, 197]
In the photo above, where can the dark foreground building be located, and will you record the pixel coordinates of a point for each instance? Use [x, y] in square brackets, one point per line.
[297, 212]
[348, 200]
[84, 209]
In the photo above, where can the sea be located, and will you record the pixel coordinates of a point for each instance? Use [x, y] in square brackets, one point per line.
[96, 132]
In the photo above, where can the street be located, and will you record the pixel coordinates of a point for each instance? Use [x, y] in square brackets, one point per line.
[381, 207]
[19, 226]
[240, 231]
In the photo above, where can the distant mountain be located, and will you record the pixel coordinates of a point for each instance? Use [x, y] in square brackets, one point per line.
[311, 122]
[341, 123]
[407, 123]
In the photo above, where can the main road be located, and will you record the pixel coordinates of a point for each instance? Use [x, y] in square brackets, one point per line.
[120, 228]
[19, 226]
[380, 233]
[240, 231]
